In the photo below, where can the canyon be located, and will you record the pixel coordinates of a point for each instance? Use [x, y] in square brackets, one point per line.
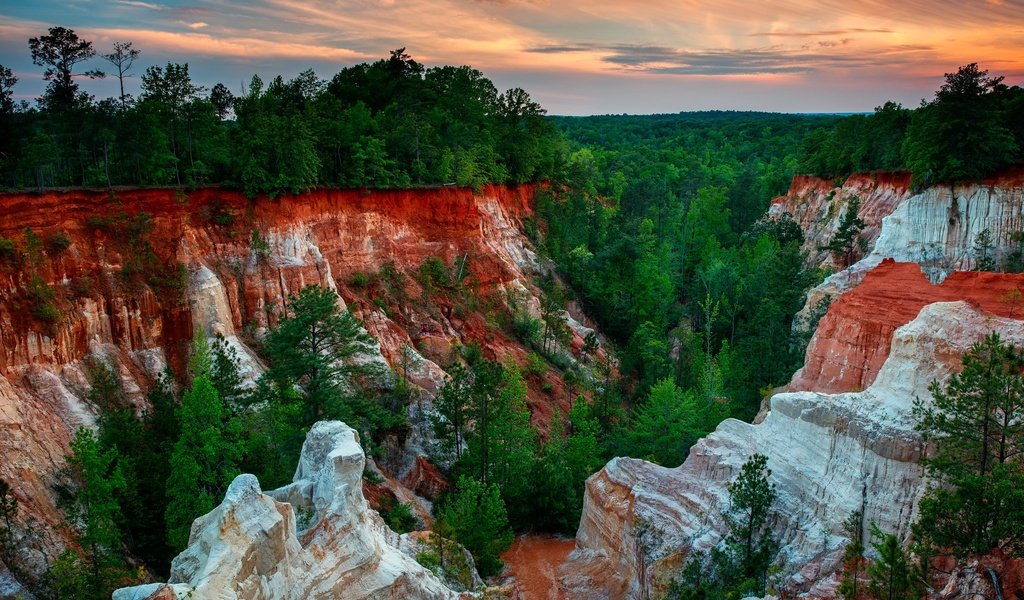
[217, 262]
[840, 436]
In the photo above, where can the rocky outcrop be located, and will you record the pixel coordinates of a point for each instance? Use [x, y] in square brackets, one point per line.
[936, 227]
[314, 538]
[818, 205]
[830, 454]
[840, 437]
[853, 339]
[215, 260]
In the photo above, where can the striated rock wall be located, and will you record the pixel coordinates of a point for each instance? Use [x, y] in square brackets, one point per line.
[241, 259]
[830, 454]
[936, 227]
[314, 538]
[852, 340]
[818, 205]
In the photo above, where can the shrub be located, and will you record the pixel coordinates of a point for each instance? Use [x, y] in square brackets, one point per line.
[372, 477]
[82, 287]
[535, 364]
[260, 246]
[399, 517]
[57, 243]
[360, 280]
[44, 302]
[9, 254]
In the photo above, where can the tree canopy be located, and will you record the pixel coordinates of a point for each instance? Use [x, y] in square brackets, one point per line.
[388, 123]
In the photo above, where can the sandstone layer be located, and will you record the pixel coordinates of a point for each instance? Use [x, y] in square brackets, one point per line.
[937, 227]
[830, 454]
[852, 340]
[214, 260]
[314, 538]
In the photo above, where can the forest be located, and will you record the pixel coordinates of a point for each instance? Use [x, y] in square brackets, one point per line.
[391, 123]
[656, 225]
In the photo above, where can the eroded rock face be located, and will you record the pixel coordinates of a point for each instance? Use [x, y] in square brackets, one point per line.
[936, 227]
[830, 454]
[853, 339]
[314, 538]
[818, 205]
[239, 269]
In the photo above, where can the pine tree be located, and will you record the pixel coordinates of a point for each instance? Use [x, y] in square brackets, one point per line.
[750, 545]
[479, 522]
[976, 426]
[846, 242]
[451, 420]
[224, 372]
[99, 569]
[502, 444]
[203, 462]
[984, 257]
[853, 557]
[891, 577]
[314, 346]
[670, 421]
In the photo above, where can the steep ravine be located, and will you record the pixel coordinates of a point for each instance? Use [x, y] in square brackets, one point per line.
[841, 437]
[225, 264]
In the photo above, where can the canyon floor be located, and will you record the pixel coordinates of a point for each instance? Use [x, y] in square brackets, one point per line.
[534, 561]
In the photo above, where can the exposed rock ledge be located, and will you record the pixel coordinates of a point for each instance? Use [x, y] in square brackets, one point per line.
[830, 454]
[936, 227]
[314, 538]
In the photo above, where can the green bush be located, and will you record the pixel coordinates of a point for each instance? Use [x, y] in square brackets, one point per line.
[399, 517]
[360, 280]
[535, 364]
[57, 243]
[9, 253]
[44, 301]
[372, 477]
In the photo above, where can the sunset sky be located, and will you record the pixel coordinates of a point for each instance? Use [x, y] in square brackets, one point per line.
[574, 56]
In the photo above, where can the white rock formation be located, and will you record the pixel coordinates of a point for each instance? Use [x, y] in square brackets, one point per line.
[314, 538]
[937, 229]
[829, 455]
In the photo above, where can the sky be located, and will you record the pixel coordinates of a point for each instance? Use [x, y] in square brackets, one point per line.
[573, 56]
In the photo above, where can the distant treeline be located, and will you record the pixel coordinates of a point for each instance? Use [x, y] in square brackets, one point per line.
[973, 127]
[391, 123]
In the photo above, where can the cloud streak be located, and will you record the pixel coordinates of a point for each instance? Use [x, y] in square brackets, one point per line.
[803, 49]
[748, 61]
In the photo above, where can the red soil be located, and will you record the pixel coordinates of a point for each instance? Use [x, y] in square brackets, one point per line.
[534, 560]
[853, 339]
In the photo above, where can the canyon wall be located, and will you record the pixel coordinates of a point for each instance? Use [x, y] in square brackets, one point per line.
[143, 269]
[830, 454]
[936, 227]
[840, 437]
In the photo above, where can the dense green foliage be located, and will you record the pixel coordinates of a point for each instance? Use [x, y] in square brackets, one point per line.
[657, 224]
[976, 425]
[204, 460]
[893, 575]
[972, 128]
[390, 123]
[311, 347]
[660, 234]
[670, 421]
[479, 522]
[96, 571]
